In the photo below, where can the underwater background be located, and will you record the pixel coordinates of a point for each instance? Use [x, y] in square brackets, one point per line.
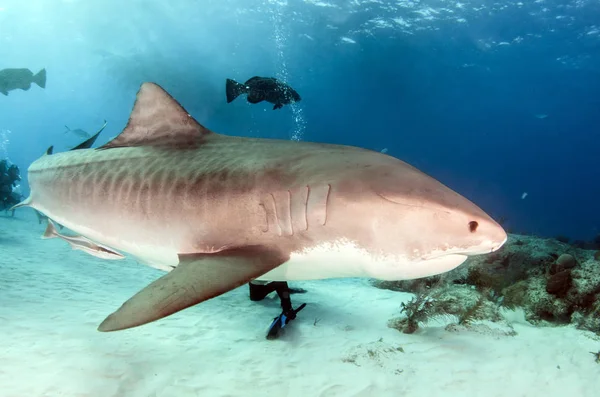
[496, 99]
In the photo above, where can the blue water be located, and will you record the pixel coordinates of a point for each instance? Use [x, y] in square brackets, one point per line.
[495, 99]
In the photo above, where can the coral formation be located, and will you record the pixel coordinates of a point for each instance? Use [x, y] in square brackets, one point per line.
[552, 281]
[417, 310]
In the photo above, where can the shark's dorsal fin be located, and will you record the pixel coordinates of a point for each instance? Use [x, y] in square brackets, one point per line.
[90, 141]
[159, 120]
[50, 150]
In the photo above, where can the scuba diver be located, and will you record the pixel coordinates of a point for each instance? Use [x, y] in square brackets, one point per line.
[9, 192]
[260, 289]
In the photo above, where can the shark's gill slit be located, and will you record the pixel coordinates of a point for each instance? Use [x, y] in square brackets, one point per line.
[306, 206]
[266, 228]
[473, 226]
[327, 203]
[276, 220]
[289, 208]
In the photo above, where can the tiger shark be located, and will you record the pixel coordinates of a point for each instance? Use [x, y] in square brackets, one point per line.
[217, 211]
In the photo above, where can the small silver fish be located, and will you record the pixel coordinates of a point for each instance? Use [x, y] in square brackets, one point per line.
[78, 131]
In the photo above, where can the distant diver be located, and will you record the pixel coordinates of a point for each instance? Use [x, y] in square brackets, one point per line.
[20, 79]
[262, 89]
[9, 185]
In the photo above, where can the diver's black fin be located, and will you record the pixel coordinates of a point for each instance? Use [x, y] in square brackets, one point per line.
[50, 150]
[281, 321]
[90, 141]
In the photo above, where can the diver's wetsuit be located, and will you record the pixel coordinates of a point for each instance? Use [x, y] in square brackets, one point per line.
[260, 289]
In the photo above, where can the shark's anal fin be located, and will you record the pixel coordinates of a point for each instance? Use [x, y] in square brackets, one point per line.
[50, 231]
[158, 120]
[197, 278]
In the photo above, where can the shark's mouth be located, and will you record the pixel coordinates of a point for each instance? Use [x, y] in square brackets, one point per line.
[419, 268]
[486, 247]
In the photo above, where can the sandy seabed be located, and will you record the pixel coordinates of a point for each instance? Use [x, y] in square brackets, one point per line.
[52, 299]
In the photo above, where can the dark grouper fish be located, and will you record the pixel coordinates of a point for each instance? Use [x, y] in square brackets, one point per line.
[216, 211]
[20, 79]
[262, 89]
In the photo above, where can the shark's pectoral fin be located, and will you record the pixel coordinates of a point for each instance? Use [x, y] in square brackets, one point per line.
[197, 278]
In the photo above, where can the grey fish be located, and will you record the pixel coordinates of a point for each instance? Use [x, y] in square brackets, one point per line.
[20, 79]
[262, 89]
[217, 211]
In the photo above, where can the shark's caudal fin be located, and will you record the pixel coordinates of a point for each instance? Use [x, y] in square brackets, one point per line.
[90, 141]
[40, 78]
[159, 120]
[233, 89]
[197, 278]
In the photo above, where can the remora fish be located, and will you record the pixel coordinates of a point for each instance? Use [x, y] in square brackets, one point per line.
[82, 243]
[13, 79]
[217, 211]
[262, 89]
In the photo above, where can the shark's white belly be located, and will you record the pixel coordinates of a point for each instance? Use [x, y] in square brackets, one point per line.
[340, 259]
[344, 259]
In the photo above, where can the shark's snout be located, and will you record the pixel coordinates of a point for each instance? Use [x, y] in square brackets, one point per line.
[488, 236]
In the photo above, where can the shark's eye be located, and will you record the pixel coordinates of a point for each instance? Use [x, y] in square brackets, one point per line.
[473, 226]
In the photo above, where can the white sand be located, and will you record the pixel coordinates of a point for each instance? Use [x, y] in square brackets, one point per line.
[52, 299]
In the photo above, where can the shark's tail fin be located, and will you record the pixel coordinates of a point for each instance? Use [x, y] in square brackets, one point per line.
[40, 78]
[24, 203]
[50, 230]
[234, 89]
